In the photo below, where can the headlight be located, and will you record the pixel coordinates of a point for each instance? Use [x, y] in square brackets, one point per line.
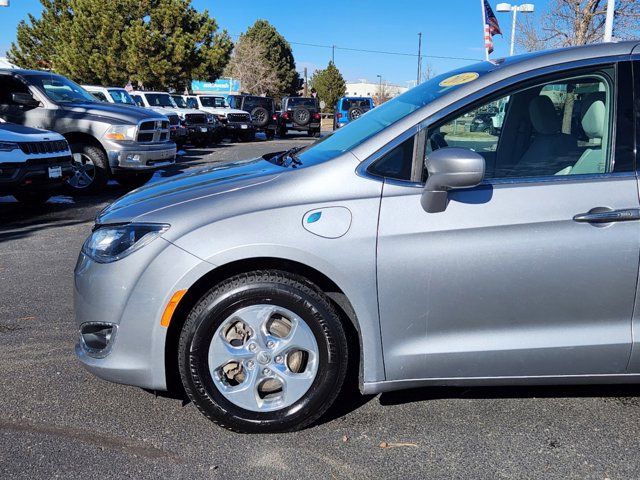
[121, 132]
[109, 243]
[8, 146]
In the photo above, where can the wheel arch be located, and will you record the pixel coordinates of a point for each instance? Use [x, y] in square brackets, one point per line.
[336, 295]
[82, 137]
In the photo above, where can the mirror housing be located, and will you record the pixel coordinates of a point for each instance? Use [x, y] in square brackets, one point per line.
[450, 168]
[25, 99]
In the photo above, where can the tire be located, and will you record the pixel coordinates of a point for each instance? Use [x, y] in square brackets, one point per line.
[301, 116]
[260, 117]
[133, 180]
[314, 133]
[354, 113]
[270, 134]
[252, 296]
[91, 170]
[32, 198]
[282, 132]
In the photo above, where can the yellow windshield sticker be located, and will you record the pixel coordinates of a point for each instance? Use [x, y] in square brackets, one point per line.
[459, 79]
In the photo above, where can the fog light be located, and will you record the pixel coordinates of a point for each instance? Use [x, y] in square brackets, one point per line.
[133, 158]
[97, 338]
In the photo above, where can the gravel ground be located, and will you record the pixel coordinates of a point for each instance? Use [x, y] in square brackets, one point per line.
[59, 421]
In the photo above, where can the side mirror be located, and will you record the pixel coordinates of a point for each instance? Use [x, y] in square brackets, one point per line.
[25, 99]
[450, 168]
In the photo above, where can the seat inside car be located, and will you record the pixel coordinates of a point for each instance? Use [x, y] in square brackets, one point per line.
[549, 146]
[593, 123]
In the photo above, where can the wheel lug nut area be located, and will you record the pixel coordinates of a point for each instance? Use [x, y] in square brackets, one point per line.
[252, 347]
[250, 364]
[279, 359]
[271, 344]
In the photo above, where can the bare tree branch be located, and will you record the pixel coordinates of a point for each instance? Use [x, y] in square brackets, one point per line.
[577, 22]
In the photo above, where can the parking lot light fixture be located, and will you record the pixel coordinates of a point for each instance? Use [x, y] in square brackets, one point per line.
[507, 7]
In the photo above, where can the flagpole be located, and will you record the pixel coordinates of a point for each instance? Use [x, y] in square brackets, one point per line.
[484, 30]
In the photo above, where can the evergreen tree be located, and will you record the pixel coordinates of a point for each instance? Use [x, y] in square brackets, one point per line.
[158, 43]
[278, 54]
[38, 41]
[330, 85]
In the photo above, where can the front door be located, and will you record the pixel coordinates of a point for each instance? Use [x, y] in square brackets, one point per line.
[531, 273]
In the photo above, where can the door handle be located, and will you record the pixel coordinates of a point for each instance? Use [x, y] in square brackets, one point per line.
[606, 215]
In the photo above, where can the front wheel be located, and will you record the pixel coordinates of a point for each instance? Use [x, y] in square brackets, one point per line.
[263, 352]
[90, 169]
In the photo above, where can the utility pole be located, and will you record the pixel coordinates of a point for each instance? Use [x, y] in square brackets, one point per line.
[333, 54]
[419, 58]
[380, 89]
[306, 86]
[608, 24]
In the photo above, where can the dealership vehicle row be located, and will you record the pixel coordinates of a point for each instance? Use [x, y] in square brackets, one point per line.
[113, 133]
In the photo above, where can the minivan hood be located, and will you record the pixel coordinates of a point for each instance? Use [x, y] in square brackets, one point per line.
[159, 201]
[121, 114]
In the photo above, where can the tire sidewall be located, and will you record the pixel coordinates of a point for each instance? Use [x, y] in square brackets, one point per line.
[320, 319]
[101, 168]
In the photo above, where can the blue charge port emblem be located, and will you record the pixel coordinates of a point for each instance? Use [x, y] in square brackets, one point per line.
[314, 217]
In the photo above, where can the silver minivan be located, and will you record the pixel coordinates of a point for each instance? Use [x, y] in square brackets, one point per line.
[404, 248]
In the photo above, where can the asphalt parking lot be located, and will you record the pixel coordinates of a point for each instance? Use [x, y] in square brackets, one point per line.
[59, 421]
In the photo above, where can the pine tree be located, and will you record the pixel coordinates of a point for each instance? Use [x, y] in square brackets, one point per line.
[38, 41]
[158, 43]
[278, 55]
[330, 85]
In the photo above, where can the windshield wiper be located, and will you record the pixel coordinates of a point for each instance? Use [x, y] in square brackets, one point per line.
[289, 158]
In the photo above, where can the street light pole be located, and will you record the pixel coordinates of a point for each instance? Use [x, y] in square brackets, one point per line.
[608, 23]
[380, 89]
[514, 9]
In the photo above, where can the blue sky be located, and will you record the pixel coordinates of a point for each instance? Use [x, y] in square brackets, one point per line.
[451, 28]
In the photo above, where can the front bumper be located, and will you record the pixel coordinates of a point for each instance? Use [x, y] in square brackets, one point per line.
[235, 128]
[200, 131]
[34, 174]
[137, 156]
[131, 294]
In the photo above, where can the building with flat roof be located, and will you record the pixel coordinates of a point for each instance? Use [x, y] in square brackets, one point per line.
[364, 88]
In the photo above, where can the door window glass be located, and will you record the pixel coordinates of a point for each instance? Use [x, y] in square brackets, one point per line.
[557, 128]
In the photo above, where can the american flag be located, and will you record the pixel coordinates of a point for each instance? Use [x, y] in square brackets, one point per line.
[491, 26]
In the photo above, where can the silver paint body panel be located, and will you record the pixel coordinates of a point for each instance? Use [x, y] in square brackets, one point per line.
[501, 287]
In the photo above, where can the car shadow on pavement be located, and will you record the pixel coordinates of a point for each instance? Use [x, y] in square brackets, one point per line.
[630, 393]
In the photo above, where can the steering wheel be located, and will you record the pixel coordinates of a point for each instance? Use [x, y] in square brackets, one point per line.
[436, 140]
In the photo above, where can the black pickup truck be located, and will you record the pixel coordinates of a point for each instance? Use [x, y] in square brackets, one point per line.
[301, 114]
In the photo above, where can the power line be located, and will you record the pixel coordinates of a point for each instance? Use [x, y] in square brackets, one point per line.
[380, 52]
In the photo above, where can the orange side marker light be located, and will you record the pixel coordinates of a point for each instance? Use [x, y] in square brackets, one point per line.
[171, 307]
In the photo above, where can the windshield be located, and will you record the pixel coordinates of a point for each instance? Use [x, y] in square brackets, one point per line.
[180, 102]
[213, 102]
[252, 102]
[60, 89]
[301, 102]
[381, 117]
[160, 100]
[121, 96]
